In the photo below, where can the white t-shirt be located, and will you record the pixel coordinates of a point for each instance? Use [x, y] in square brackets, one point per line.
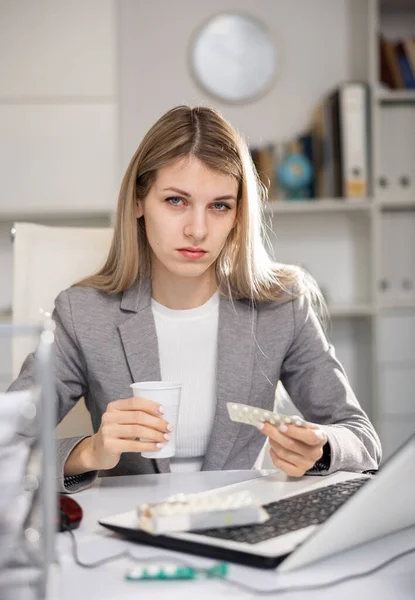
[187, 343]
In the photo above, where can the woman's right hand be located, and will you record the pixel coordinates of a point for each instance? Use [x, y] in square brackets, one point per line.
[122, 423]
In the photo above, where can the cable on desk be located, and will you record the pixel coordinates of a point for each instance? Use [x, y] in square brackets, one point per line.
[113, 557]
[233, 582]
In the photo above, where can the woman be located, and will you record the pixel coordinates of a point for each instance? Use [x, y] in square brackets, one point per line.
[189, 293]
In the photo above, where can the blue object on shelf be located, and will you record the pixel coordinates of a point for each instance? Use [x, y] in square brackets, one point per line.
[295, 174]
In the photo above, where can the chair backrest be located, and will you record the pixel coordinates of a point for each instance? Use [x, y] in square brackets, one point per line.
[46, 261]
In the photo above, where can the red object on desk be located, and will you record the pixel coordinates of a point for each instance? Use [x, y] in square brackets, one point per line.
[69, 513]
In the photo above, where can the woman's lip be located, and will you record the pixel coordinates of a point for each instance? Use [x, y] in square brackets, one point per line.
[192, 249]
[193, 254]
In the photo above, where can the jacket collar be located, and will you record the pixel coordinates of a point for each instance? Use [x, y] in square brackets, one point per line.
[137, 297]
[235, 362]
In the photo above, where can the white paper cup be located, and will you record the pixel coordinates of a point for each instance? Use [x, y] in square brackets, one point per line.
[166, 393]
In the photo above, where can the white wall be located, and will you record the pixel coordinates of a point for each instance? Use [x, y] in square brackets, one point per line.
[154, 74]
[58, 121]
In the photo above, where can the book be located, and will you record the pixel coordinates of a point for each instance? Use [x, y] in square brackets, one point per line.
[323, 141]
[406, 70]
[390, 71]
[263, 158]
[317, 145]
[305, 143]
[328, 149]
[409, 46]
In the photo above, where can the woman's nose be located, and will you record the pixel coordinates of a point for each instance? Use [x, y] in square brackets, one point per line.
[196, 227]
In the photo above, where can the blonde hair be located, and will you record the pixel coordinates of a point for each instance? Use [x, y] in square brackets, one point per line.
[244, 269]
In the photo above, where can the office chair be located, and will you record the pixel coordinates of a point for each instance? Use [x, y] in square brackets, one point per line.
[46, 261]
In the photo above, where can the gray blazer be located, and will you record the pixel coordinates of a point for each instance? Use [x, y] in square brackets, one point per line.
[105, 342]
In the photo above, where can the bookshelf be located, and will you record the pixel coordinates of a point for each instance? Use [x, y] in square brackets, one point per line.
[372, 239]
[396, 96]
[394, 153]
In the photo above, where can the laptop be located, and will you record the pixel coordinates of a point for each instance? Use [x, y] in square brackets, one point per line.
[310, 518]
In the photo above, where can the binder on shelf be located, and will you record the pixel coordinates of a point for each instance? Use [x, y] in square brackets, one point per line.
[329, 156]
[351, 142]
[322, 133]
[317, 145]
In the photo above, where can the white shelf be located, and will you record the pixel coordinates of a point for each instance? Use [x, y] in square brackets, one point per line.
[351, 310]
[398, 303]
[398, 204]
[396, 96]
[316, 205]
[41, 216]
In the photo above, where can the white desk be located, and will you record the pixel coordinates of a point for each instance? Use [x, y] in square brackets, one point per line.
[112, 495]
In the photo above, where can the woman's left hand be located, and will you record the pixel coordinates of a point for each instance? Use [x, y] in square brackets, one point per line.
[294, 449]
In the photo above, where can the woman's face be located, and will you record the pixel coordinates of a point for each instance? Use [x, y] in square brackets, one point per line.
[188, 213]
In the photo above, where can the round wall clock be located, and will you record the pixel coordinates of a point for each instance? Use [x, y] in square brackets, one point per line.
[234, 58]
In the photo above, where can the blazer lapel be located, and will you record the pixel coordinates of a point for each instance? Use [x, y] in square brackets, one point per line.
[139, 339]
[236, 353]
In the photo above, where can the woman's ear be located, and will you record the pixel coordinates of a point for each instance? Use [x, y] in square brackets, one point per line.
[140, 212]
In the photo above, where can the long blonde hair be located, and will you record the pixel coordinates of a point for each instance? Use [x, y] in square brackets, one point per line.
[244, 268]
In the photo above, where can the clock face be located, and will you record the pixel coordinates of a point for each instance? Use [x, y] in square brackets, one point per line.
[234, 58]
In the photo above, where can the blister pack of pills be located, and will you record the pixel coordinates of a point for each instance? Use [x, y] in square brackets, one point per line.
[163, 571]
[251, 415]
[187, 512]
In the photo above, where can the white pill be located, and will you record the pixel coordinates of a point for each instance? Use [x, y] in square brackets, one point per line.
[136, 573]
[245, 409]
[287, 420]
[170, 569]
[266, 415]
[255, 411]
[153, 570]
[235, 406]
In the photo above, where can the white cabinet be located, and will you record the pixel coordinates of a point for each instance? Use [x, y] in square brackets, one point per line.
[394, 270]
[56, 50]
[58, 107]
[396, 377]
[57, 159]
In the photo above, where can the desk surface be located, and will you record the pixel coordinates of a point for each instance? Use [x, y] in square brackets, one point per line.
[119, 494]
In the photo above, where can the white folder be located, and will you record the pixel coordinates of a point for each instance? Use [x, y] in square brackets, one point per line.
[354, 136]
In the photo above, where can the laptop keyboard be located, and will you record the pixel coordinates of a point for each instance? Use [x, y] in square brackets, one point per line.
[290, 514]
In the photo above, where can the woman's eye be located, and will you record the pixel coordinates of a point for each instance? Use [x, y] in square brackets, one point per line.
[221, 207]
[174, 201]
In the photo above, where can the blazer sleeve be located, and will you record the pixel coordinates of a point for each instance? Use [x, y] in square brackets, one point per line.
[71, 384]
[318, 386]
